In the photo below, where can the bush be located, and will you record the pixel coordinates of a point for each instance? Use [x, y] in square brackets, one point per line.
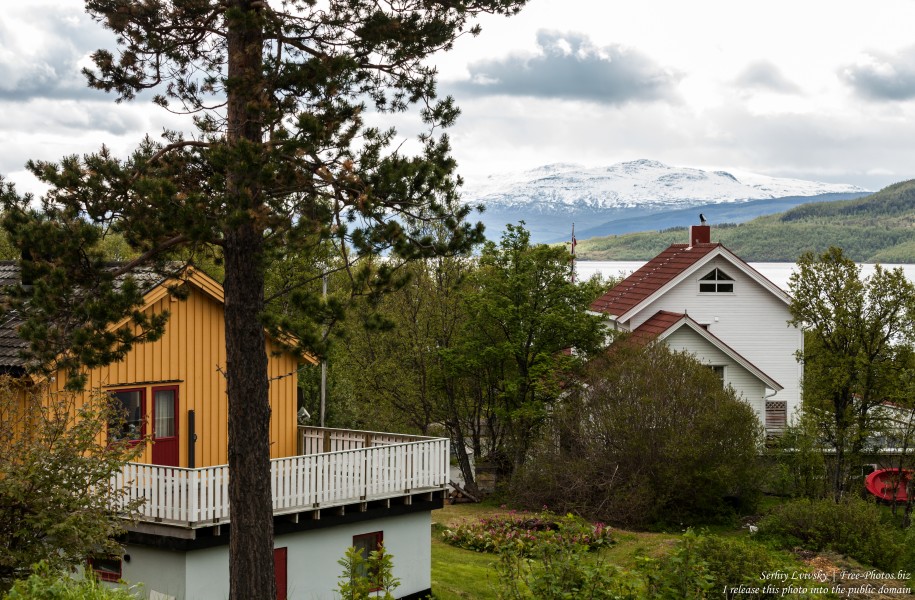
[683, 574]
[852, 527]
[799, 456]
[525, 531]
[558, 565]
[648, 436]
[699, 567]
[46, 583]
[367, 577]
[710, 566]
[57, 504]
[732, 562]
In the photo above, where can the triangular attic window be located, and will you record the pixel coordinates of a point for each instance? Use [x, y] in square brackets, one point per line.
[716, 281]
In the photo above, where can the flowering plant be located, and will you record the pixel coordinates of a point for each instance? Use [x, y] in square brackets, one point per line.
[524, 530]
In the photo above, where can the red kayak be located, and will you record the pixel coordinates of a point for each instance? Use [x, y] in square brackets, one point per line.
[883, 482]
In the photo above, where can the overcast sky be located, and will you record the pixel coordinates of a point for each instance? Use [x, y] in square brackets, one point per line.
[813, 89]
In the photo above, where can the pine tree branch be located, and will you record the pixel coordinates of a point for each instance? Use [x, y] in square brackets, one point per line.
[178, 239]
[174, 146]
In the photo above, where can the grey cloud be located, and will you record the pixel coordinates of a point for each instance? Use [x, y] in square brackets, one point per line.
[68, 117]
[820, 147]
[47, 66]
[883, 76]
[97, 116]
[765, 75]
[571, 67]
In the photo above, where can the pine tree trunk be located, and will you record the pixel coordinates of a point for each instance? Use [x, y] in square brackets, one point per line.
[251, 574]
[251, 538]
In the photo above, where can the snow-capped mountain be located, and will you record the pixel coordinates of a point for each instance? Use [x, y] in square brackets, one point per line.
[640, 183]
[619, 198]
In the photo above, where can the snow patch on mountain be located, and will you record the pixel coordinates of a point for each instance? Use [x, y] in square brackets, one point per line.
[646, 184]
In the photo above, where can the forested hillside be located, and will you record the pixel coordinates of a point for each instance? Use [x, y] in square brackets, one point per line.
[875, 228]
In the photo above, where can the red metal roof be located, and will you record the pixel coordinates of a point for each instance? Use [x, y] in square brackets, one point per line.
[653, 275]
[655, 326]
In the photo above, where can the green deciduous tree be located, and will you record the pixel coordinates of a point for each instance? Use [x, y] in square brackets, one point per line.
[403, 360]
[56, 501]
[477, 346]
[281, 157]
[392, 349]
[858, 341]
[530, 327]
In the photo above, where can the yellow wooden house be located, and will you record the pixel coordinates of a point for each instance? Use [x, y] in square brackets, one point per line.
[331, 488]
[173, 390]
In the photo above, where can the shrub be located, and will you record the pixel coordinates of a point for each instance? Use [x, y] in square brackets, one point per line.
[57, 504]
[525, 530]
[647, 436]
[735, 561]
[683, 574]
[554, 566]
[46, 583]
[799, 456]
[711, 566]
[367, 577]
[852, 527]
[699, 567]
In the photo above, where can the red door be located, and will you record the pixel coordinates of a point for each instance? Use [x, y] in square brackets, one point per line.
[279, 572]
[165, 426]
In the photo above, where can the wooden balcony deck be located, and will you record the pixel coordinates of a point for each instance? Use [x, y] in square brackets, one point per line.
[335, 468]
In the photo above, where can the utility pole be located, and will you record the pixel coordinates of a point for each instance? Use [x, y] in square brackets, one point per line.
[574, 242]
[324, 360]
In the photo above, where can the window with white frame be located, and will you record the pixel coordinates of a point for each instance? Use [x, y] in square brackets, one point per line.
[716, 281]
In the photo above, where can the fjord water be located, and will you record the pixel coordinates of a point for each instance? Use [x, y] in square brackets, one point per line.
[777, 273]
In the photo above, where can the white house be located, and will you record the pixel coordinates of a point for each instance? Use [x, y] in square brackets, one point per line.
[702, 298]
[344, 488]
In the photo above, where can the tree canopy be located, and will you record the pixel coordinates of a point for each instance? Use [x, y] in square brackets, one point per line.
[478, 346]
[857, 345]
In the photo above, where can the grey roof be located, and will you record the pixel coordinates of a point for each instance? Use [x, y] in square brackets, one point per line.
[11, 345]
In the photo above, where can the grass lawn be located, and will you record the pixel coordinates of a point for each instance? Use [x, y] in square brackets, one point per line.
[459, 573]
[464, 574]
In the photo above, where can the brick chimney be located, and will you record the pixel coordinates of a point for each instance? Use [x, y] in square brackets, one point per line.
[700, 234]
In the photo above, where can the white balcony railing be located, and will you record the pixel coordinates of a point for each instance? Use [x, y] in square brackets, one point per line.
[374, 466]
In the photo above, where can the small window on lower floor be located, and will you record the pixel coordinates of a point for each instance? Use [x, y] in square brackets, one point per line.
[106, 568]
[367, 543]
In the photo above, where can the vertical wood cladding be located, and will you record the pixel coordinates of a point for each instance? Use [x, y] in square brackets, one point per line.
[192, 355]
